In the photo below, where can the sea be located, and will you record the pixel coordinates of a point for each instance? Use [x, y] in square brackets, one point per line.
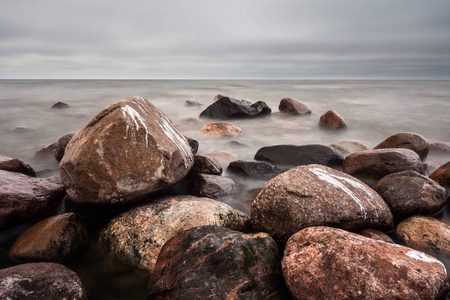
[372, 109]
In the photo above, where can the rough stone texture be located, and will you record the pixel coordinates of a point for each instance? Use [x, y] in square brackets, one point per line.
[222, 157]
[193, 103]
[16, 165]
[137, 236]
[253, 169]
[293, 107]
[332, 120]
[213, 186]
[230, 108]
[372, 165]
[59, 105]
[45, 152]
[407, 140]
[27, 199]
[442, 175]
[376, 235]
[54, 239]
[37, 281]
[425, 234]
[348, 147]
[127, 151]
[211, 262]
[329, 263]
[409, 193]
[206, 165]
[218, 130]
[288, 156]
[316, 195]
[193, 144]
[61, 144]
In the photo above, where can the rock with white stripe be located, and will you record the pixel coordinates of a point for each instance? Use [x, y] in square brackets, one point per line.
[315, 195]
[127, 151]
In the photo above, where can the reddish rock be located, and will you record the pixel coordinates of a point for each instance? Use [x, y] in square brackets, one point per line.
[316, 195]
[211, 262]
[126, 152]
[59, 105]
[332, 120]
[293, 107]
[36, 281]
[45, 152]
[222, 157]
[407, 140]
[442, 175]
[205, 165]
[330, 263]
[213, 186]
[348, 147]
[60, 146]
[218, 130]
[253, 169]
[376, 235]
[16, 165]
[230, 108]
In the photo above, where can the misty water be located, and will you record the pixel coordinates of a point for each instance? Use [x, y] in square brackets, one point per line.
[373, 110]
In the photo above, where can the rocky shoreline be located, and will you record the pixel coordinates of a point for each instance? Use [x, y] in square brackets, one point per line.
[135, 197]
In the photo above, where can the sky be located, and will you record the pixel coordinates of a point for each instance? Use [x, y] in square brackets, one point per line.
[209, 39]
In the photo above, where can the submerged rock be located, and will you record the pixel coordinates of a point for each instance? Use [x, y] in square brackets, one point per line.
[332, 120]
[407, 140]
[293, 107]
[218, 130]
[213, 186]
[61, 144]
[348, 147]
[442, 176]
[253, 169]
[205, 165]
[59, 105]
[193, 103]
[16, 165]
[224, 158]
[230, 108]
[45, 152]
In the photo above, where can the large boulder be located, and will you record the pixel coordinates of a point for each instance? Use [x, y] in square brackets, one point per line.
[127, 151]
[293, 106]
[16, 165]
[330, 263]
[230, 108]
[316, 195]
[407, 140]
[211, 262]
[348, 147]
[218, 130]
[212, 186]
[137, 235]
[332, 120]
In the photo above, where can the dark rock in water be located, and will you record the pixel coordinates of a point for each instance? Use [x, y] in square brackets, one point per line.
[205, 165]
[58, 105]
[348, 147]
[330, 263]
[406, 140]
[332, 120]
[237, 144]
[218, 130]
[230, 108]
[425, 234]
[22, 129]
[45, 152]
[442, 176]
[253, 169]
[409, 193]
[16, 165]
[193, 143]
[55, 239]
[376, 235]
[26, 199]
[293, 107]
[316, 195]
[193, 103]
[213, 186]
[61, 144]
[288, 156]
[222, 157]
[48, 281]
[211, 262]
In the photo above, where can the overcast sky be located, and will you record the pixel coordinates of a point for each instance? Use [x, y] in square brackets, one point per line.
[225, 39]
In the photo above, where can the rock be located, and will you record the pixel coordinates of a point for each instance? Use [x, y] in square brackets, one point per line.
[16, 165]
[230, 108]
[59, 105]
[253, 169]
[442, 176]
[315, 195]
[218, 96]
[218, 130]
[222, 157]
[60, 146]
[193, 144]
[245, 202]
[286, 157]
[27, 199]
[45, 152]
[213, 186]
[429, 169]
[348, 147]
[211, 262]
[372, 165]
[138, 235]
[36, 281]
[193, 103]
[237, 144]
[332, 120]
[188, 123]
[330, 263]
[293, 107]
[425, 234]
[126, 152]
[205, 165]
[22, 129]
[406, 140]
[409, 193]
[55, 239]
[376, 235]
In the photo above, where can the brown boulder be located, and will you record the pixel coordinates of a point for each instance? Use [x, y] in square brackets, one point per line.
[16, 165]
[330, 263]
[212, 186]
[407, 140]
[348, 147]
[127, 151]
[205, 165]
[61, 144]
[332, 120]
[45, 152]
[376, 235]
[442, 175]
[293, 107]
[218, 130]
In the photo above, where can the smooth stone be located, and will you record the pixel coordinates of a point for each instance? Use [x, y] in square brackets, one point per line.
[442, 176]
[22, 129]
[218, 130]
[205, 165]
[193, 143]
[407, 140]
[193, 103]
[332, 120]
[60, 146]
[348, 147]
[59, 105]
[376, 235]
[253, 169]
[293, 107]
[230, 108]
[224, 158]
[212, 186]
[16, 165]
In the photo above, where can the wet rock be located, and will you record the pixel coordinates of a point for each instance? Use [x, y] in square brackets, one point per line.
[205, 165]
[193, 103]
[316, 195]
[124, 153]
[60, 146]
[218, 96]
[218, 130]
[137, 236]
[425, 234]
[442, 176]
[193, 144]
[59, 105]
[286, 157]
[55, 239]
[330, 263]
[406, 140]
[16, 165]
[332, 120]
[37, 281]
[26, 199]
[213, 186]
[348, 147]
[22, 129]
[230, 108]
[224, 158]
[211, 262]
[45, 152]
[253, 169]
[376, 235]
[409, 193]
[293, 107]
[372, 165]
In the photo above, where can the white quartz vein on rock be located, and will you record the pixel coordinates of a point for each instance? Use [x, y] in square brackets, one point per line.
[426, 258]
[132, 114]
